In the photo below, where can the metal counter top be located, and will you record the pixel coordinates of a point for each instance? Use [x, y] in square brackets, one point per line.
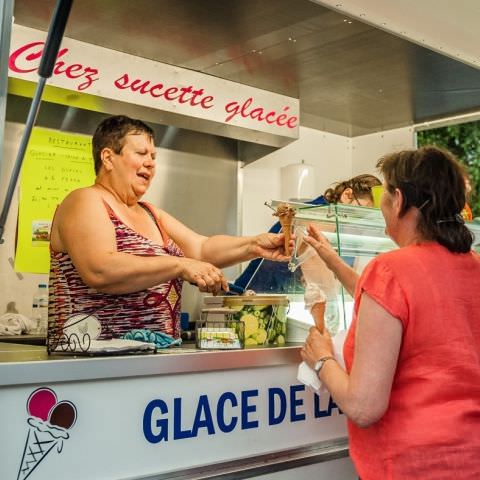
[30, 364]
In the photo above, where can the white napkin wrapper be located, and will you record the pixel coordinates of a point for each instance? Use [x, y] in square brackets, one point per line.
[313, 294]
[307, 375]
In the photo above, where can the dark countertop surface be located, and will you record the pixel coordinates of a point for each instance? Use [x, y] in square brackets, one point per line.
[24, 338]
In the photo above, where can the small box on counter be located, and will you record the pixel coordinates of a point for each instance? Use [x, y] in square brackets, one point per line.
[264, 316]
[217, 329]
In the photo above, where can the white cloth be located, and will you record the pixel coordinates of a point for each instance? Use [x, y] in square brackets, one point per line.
[15, 324]
[307, 375]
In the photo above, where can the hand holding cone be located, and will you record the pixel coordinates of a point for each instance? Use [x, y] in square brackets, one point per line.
[285, 214]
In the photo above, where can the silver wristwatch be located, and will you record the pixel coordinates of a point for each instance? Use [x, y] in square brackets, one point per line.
[319, 363]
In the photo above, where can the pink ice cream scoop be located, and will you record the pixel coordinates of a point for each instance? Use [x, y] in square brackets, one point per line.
[40, 402]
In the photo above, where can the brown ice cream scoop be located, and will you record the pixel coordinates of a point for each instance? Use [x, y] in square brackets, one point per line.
[318, 314]
[285, 214]
[63, 414]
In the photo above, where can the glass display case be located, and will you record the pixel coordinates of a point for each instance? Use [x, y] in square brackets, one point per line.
[358, 235]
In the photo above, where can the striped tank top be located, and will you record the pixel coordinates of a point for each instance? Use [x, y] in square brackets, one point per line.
[156, 308]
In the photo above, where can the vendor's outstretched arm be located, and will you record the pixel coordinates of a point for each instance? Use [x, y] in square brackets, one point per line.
[83, 229]
[224, 250]
[346, 274]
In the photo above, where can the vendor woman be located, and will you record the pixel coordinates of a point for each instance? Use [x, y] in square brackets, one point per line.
[121, 262]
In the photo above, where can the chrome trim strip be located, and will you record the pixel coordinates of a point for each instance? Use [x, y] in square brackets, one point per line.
[261, 464]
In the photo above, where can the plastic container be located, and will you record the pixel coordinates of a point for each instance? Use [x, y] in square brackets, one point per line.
[40, 308]
[217, 329]
[264, 317]
[297, 331]
[35, 316]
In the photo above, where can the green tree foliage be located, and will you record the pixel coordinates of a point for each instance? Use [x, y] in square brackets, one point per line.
[463, 140]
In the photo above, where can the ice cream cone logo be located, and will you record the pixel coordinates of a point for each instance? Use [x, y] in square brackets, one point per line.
[49, 423]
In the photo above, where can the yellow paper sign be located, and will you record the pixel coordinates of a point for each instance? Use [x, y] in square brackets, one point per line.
[55, 164]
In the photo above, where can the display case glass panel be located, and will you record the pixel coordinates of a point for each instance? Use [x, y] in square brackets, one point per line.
[358, 235]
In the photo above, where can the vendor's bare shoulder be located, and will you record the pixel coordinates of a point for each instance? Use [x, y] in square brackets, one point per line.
[81, 206]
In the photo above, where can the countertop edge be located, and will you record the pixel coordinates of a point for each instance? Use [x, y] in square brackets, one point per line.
[69, 369]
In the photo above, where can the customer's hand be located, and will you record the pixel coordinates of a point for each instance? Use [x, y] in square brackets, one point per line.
[271, 246]
[319, 242]
[317, 345]
[205, 276]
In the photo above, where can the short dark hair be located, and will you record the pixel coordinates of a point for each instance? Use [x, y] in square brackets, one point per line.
[361, 186]
[111, 133]
[432, 180]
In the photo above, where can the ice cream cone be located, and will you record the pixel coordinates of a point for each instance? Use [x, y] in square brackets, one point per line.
[286, 224]
[41, 439]
[285, 214]
[318, 314]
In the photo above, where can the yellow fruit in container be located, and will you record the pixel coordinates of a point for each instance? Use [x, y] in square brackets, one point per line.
[264, 317]
[261, 336]
[251, 324]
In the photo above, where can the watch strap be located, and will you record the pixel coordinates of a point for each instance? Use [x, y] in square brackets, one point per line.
[321, 362]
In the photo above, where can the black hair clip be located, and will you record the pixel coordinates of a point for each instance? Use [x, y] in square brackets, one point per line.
[456, 218]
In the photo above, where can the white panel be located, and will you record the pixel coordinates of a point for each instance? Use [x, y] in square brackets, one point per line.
[368, 149]
[445, 26]
[127, 428]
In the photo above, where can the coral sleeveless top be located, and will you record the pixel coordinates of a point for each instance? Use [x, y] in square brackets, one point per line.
[431, 429]
[156, 308]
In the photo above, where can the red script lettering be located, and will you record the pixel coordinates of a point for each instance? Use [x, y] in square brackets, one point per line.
[271, 117]
[181, 95]
[26, 59]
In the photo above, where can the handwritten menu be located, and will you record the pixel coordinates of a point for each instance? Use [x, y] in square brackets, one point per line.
[55, 164]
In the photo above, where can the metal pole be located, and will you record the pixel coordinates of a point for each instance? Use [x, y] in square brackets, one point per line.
[6, 19]
[50, 52]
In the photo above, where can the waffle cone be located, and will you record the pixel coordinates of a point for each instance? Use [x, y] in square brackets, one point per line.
[318, 314]
[37, 446]
[286, 224]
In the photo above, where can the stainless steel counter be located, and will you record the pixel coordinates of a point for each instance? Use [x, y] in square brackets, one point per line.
[28, 364]
[255, 378]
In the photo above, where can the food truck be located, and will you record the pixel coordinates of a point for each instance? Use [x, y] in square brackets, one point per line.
[244, 98]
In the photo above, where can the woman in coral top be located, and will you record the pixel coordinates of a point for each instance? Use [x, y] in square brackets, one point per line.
[411, 390]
